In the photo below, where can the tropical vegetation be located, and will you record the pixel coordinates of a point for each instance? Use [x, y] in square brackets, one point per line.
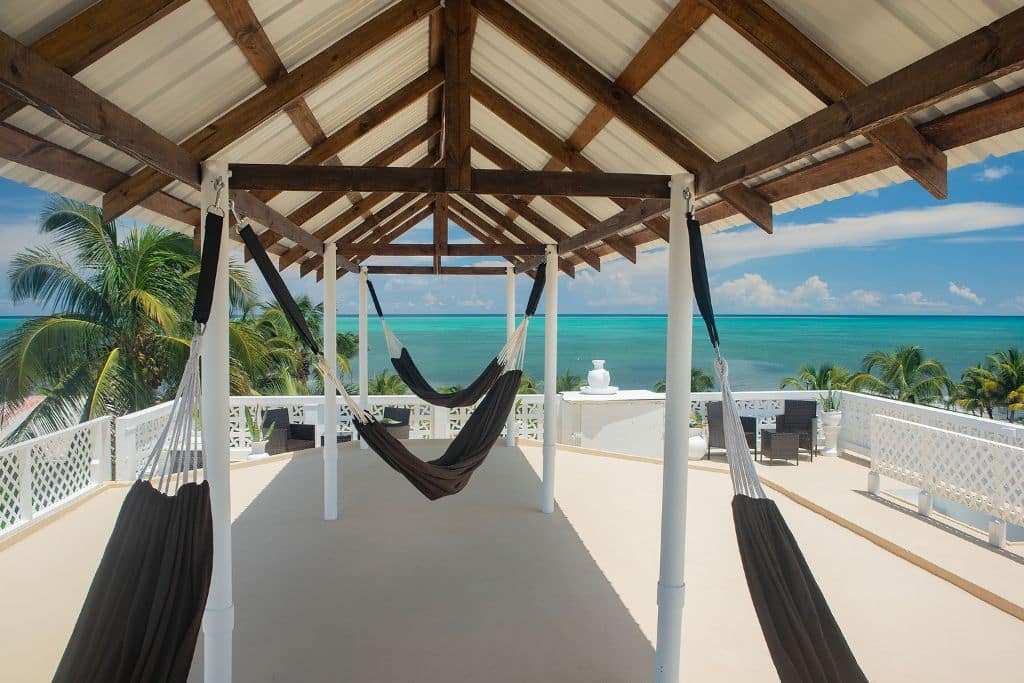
[121, 326]
[818, 377]
[700, 380]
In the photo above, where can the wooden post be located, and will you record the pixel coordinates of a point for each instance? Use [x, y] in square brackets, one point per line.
[330, 415]
[510, 326]
[364, 345]
[547, 498]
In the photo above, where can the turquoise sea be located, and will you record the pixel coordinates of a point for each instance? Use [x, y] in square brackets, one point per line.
[761, 349]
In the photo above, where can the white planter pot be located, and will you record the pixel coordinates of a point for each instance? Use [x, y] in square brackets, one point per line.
[830, 425]
[598, 378]
[832, 419]
[698, 444]
[258, 450]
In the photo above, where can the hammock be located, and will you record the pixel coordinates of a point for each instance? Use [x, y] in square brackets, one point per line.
[418, 384]
[803, 637]
[142, 615]
[451, 472]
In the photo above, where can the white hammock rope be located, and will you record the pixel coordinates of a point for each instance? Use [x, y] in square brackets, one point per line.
[175, 458]
[512, 355]
[741, 464]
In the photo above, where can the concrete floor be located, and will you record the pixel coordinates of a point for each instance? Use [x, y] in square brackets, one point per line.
[483, 587]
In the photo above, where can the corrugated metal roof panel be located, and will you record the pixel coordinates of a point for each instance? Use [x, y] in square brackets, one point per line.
[29, 20]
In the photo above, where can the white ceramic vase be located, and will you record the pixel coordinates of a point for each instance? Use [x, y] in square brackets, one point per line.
[698, 444]
[831, 418]
[258, 450]
[598, 378]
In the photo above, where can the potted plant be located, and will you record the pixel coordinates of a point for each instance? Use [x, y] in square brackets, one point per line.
[831, 415]
[698, 444]
[258, 434]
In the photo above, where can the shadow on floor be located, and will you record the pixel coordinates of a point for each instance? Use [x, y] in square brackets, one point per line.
[939, 524]
[475, 587]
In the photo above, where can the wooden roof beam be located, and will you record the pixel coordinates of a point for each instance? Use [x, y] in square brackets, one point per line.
[830, 82]
[246, 116]
[485, 249]
[397, 232]
[440, 229]
[91, 34]
[47, 88]
[595, 85]
[986, 54]
[458, 41]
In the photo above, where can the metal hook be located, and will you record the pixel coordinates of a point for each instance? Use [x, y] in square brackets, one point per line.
[218, 187]
[688, 196]
[234, 211]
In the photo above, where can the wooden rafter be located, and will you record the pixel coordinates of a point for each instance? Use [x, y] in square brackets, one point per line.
[400, 230]
[673, 32]
[988, 53]
[477, 233]
[91, 34]
[595, 85]
[458, 40]
[243, 118]
[366, 250]
[35, 81]
[440, 225]
[830, 82]
[435, 60]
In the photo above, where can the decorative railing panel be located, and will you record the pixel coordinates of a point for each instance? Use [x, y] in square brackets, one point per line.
[984, 475]
[855, 435]
[42, 473]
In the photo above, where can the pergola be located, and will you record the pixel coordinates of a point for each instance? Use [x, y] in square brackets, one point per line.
[555, 134]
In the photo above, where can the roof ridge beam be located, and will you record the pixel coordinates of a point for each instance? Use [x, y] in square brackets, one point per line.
[458, 42]
[986, 54]
[249, 114]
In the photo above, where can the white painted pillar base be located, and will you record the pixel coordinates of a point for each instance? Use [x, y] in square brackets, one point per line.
[874, 483]
[671, 584]
[330, 412]
[510, 326]
[364, 346]
[219, 616]
[997, 533]
[925, 503]
[551, 399]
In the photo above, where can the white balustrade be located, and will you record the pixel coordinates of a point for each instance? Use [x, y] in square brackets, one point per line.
[981, 474]
[42, 474]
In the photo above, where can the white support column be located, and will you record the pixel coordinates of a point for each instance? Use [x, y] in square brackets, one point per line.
[219, 617]
[547, 494]
[330, 413]
[510, 327]
[671, 588]
[364, 345]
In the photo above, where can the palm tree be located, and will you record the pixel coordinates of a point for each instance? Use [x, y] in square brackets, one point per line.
[905, 375]
[123, 331]
[978, 391]
[1016, 399]
[450, 388]
[1007, 368]
[823, 377]
[568, 381]
[386, 383]
[528, 384]
[700, 380]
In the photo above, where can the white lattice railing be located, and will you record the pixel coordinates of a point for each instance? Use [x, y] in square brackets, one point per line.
[41, 474]
[855, 435]
[984, 475]
[137, 432]
[764, 405]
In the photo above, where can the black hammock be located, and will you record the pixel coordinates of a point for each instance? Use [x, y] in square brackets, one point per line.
[805, 642]
[418, 384]
[141, 618]
[451, 472]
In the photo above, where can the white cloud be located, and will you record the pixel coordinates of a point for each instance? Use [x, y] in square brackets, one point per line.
[965, 292]
[753, 292]
[863, 298]
[733, 247]
[915, 298]
[990, 173]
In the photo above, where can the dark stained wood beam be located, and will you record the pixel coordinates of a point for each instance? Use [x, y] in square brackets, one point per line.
[366, 250]
[429, 270]
[405, 227]
[252, 112]
[595, 85]
[387, 179]
[91, 34]
[547, 227]
[440, 247]
[830, 82]
[25, 74]
[986, 54]
[435, 59]
[34, 152]
[458, 41]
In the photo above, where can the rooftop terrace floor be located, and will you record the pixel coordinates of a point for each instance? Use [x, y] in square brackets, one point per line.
[483, 587]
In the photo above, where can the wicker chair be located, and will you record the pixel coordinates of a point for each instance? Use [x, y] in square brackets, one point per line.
[799, 417]
[716, 431]
[398, 419]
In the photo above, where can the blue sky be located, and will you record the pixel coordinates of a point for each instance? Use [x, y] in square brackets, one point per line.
[896, 250]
